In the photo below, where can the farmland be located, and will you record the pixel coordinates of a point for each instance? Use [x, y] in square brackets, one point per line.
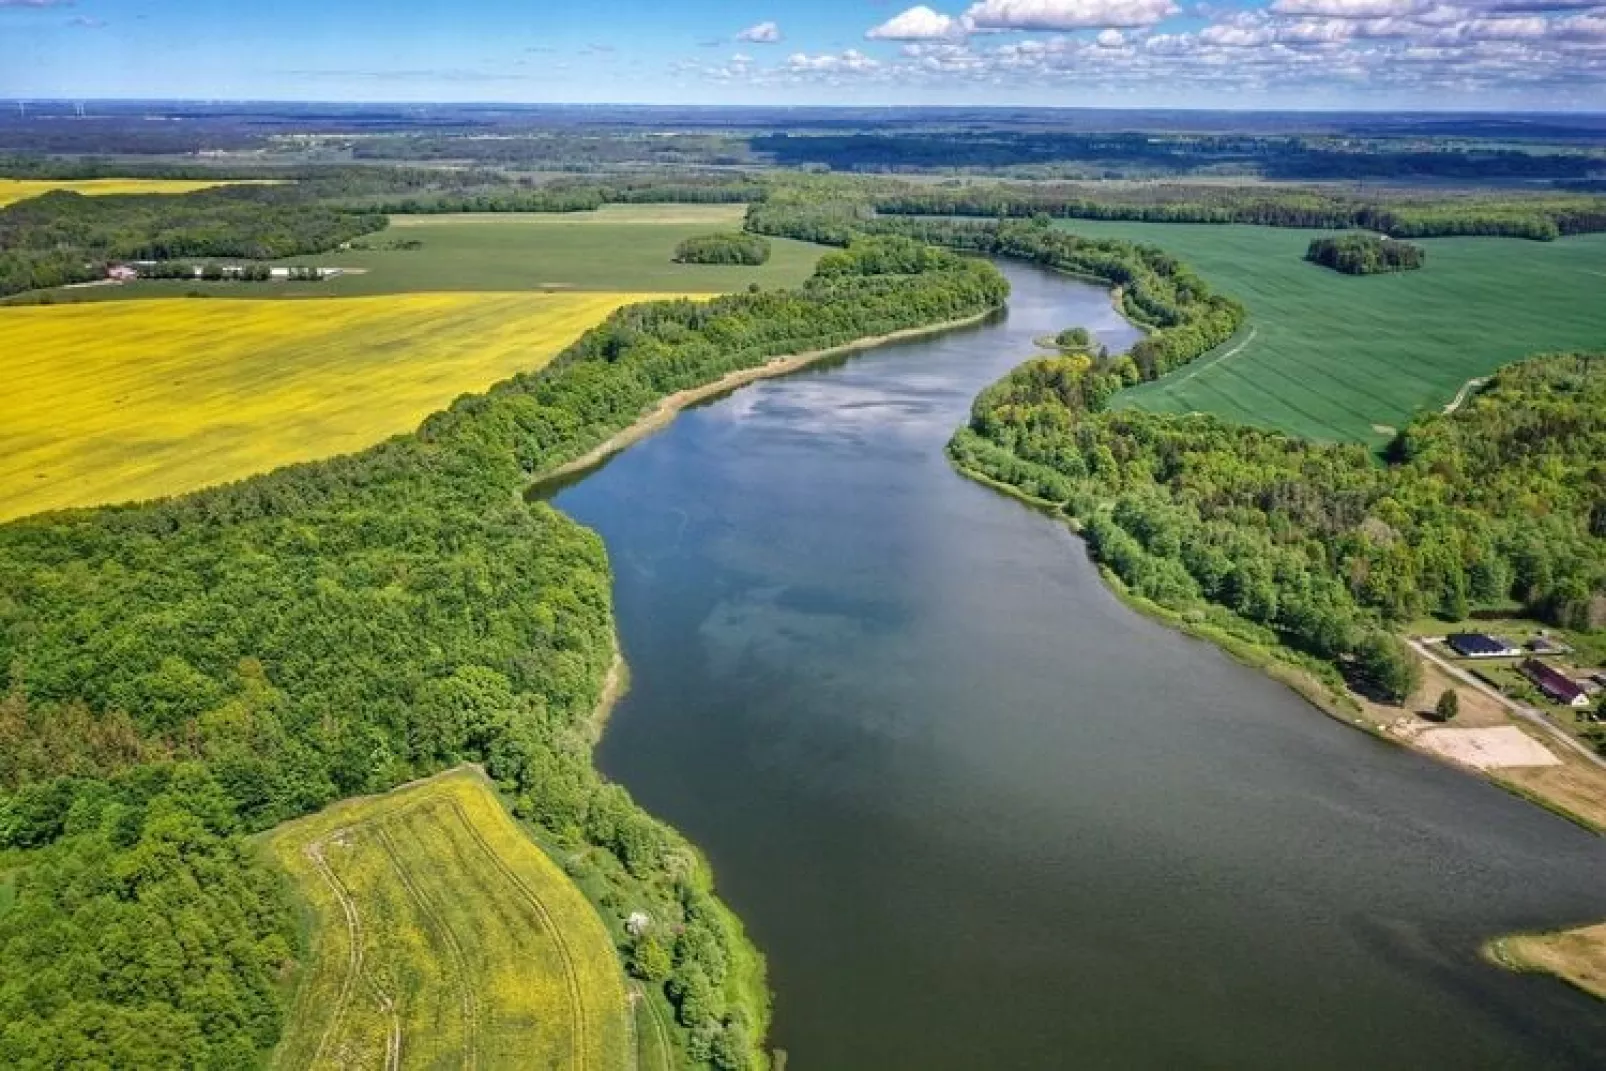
[1335, 357]
[442, 935]
[618, 248]
[140, 399]
[14, 190]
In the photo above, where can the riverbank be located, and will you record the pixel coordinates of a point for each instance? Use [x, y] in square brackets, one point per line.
[666, 408]
[1577, 957]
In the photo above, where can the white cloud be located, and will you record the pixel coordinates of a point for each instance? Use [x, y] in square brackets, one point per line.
[1582, 28]
[1344, 9]
[764, 33]
[1516, 29]
[1054, 15]
[1237, 36]
[1478, 53]
[851, 61]
[919, 23]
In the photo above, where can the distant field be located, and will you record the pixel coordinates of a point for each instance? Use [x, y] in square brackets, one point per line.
[1332, 357]
[616, 248]
[138, 399]
[444, 937]
[14, 190]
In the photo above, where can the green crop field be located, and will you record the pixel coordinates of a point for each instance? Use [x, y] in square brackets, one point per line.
[1333, 356]
[616, 248]
[443, 936]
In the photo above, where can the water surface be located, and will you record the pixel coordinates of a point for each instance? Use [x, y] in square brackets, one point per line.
[980, 815]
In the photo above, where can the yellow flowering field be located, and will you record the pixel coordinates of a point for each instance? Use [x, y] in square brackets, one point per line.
[443, 936]
[125, 400]
[14, 190]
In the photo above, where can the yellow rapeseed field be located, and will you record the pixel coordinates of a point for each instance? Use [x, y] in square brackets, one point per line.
[124, 400]
[444, 937]
[14, 190]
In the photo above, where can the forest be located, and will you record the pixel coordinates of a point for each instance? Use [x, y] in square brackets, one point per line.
[1318, 544]
[1365, 254]
[179, 673]
[1542, 217]
[1115, 154]
[66, 237]
[722, 249]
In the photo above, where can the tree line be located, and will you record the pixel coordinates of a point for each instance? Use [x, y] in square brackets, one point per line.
[1365, 254]
[1534, 216]
[64, 237]
[179, 673]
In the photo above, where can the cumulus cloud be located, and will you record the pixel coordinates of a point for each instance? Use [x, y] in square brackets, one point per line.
[764, 33]
[1053, 15]
[1582, 28]
[918, 24]
[1344, 9]
[850, 61]
[1526, 52]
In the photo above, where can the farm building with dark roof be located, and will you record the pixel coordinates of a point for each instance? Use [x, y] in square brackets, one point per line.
[1477, 645]
[1554, 683]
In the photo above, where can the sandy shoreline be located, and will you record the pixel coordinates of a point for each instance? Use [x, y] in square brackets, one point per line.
[667, 407]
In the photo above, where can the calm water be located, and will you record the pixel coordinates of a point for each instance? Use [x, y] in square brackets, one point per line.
[980, 815]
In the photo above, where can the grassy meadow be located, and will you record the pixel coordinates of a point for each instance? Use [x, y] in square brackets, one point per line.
[140, 399]
[1334, 357]
[14, 190]
[443, 936]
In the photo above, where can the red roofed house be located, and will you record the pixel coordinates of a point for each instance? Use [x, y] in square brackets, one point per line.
[1554, 683]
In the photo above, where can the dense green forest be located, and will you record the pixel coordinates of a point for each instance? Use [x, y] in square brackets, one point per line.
[1320, 545]
[723, 249]
[178, 673]
[65, 237]
[577, 195]
[1365, 254]
[1541, 217]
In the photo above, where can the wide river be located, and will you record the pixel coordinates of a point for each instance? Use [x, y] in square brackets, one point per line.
[978, 814]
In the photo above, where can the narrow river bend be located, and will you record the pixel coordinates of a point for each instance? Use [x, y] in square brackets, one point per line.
[978, 814]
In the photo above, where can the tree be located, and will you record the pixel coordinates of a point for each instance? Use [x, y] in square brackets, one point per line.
[1448, 706]
[1383, 661]
[650, 960]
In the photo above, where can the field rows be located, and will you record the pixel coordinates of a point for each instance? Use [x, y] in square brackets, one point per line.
[1338, 357]
[138, 399]
[445, 938]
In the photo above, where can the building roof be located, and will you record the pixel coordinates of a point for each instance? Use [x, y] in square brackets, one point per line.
[1552, 680]
[1548, 645]
[1476, 643]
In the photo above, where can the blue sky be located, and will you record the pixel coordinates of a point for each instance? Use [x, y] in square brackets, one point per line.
[1118, 53]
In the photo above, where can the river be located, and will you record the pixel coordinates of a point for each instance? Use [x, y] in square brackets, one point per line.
[979, 814]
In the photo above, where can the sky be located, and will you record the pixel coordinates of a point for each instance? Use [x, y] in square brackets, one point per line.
[1296, 54]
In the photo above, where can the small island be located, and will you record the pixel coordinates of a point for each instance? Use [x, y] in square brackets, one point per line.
[723, 248]
[1365, 254]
